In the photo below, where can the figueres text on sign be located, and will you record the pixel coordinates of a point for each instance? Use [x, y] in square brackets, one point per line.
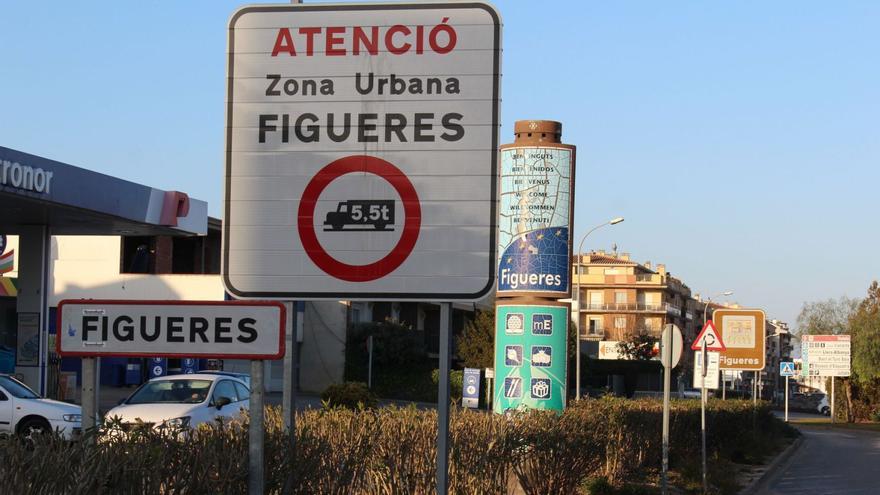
[177, 329]
[171, 328]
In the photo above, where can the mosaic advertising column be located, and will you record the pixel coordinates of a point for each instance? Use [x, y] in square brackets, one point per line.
[534, 248]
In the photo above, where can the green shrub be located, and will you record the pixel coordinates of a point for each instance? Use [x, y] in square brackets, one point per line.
[351, 395]
[456, 378]
[476, 344]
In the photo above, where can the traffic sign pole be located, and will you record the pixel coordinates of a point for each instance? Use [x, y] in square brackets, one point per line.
[705, 359]
[443, 400]
[255, 431]
[832, 399]
[667, 385]
[786, 398]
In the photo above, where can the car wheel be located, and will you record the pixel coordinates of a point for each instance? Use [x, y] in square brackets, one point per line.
[826, 411]
[34, 427]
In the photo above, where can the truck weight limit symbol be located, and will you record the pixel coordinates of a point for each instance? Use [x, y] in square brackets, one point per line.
[360, 214]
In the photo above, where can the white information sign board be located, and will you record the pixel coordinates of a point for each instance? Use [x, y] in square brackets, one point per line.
[826, 355]
[215, 329]
[712, 371]
[361, 151]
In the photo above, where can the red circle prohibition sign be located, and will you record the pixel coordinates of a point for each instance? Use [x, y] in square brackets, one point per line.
[411, 227]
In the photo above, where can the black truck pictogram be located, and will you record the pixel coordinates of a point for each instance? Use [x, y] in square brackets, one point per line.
[361, 214]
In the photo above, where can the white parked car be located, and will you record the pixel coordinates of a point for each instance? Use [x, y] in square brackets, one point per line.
[183, 400]
[23, 411]
[824, 407]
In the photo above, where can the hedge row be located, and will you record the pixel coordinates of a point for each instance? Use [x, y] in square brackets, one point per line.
[391, 450]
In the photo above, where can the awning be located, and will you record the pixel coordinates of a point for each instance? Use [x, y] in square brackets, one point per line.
[75, 201]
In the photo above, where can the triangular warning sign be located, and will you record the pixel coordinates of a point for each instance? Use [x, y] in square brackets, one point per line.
[713, 339]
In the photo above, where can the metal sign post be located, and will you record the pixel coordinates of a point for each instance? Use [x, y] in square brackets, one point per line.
[667, 385]
[786, 399]
[705, 359]
[255, 431]
[786, 369]
[443, 399]
[670, 354]
[89, 411]
[369, 361]
[832, 399]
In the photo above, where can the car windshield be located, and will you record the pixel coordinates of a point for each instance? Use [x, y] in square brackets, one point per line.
[171, 391]
[17, 389]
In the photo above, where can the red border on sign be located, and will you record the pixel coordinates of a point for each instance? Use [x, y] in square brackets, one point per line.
[411, 227]
[119, 302]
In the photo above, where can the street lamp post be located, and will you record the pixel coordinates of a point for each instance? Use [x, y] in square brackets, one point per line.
[577, 320]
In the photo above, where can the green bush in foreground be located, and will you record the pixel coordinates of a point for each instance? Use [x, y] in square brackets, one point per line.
[392, 450]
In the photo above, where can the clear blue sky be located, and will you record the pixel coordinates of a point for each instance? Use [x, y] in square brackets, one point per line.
[741, 140]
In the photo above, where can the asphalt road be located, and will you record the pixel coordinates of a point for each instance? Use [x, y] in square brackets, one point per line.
[830, 461]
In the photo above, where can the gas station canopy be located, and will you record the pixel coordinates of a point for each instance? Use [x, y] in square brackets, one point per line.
[75, 201]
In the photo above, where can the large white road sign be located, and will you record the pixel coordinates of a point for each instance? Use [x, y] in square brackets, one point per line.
[361, 151]
[826, 355]
[221, 329]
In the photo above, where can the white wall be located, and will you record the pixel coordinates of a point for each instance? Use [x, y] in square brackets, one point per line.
[88, 267]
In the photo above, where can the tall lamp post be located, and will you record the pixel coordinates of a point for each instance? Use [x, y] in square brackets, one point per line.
[577, 320]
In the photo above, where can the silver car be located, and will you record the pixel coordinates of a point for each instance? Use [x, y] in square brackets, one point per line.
[183, 401]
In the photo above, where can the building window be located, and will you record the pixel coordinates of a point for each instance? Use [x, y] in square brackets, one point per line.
[138, 254]
[620, 322]
[165, 254]
[595, 325]
[620, 297]
[612, 271]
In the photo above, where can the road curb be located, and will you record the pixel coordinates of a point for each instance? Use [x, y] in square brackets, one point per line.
[758, 483]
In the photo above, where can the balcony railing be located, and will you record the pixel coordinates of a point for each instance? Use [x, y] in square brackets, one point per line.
[620, 333]
[653, 308]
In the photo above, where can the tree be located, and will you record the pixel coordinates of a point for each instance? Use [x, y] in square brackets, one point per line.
[829, 317]
[476, 344]
[865, 329]
[639, 347]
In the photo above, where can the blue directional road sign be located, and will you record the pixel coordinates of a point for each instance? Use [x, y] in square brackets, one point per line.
[786, 368]
[158, 367]
[188, 365]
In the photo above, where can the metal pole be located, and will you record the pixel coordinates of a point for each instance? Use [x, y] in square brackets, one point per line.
[255, 431]
[369, 361]
[577, 327]
[667, 386]
[577, 320]
[705, 359]
[443, 399]
[723, 384]
[755, 389]
[786, 398]
[832, 399]
[87, 396]
[287, 405]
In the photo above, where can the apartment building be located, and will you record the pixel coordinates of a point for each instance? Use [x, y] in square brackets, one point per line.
[778, 349]
[616, 297]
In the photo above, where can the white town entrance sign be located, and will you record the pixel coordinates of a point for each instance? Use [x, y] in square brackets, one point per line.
[361, 151]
